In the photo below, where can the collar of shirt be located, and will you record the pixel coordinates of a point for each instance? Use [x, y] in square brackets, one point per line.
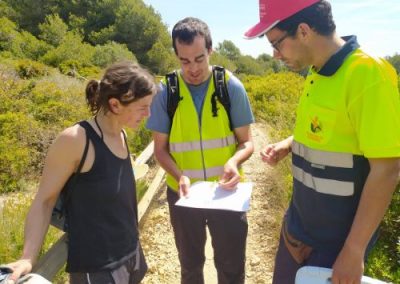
[337, 59]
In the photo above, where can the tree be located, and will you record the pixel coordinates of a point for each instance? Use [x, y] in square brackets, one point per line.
[218, 59]
[140, 28]
[395, 61]
[20, 44]
[30, 13]
[160, 59]
[228, 49]
[111, 52]
[53, 30]
[7, 11]
[72, 48]
[248, 65]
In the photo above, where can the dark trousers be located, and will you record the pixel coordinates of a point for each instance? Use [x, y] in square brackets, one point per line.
[286, 267]
[228, 232]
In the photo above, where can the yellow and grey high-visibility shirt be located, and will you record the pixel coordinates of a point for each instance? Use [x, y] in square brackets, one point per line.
[200, 145]
[349, 111]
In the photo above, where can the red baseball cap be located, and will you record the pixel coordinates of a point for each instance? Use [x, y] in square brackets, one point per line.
[274, 11]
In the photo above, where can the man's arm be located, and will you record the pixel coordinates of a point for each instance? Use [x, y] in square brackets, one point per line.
[244, 150]
[375, 199]
[164, 158]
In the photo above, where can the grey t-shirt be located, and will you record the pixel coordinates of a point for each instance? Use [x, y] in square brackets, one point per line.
[241, 113]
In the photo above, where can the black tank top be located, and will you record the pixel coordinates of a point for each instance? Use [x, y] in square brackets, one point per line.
[102, 212]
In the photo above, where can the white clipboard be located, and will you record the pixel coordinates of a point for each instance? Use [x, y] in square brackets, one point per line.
[321, 275]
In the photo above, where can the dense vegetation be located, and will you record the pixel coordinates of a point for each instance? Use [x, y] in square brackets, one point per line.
[48, 49]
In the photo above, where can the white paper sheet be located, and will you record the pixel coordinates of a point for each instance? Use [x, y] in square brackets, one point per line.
[210, 195]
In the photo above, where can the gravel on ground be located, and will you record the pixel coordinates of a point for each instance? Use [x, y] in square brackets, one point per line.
[263, 218]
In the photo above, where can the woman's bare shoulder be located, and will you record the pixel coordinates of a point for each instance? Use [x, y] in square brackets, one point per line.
[71, 141]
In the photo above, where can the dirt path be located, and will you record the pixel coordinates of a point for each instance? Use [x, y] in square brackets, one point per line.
[263, 219]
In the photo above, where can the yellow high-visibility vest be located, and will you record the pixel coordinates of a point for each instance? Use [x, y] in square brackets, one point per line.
[200, 148]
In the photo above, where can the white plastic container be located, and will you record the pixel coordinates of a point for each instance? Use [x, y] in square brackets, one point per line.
[321, 275]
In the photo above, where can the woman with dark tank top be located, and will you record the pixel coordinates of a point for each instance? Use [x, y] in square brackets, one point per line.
[103, 244]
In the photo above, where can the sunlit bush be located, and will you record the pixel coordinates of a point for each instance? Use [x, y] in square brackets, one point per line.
[274, 98]
[27, 68]
[111, 52]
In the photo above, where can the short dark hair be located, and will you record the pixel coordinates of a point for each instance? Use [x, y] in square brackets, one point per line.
[187, 29]
[125, 81]
[318, 16]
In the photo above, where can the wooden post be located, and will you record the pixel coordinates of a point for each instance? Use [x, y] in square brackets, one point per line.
[53, 260]
[148, 196]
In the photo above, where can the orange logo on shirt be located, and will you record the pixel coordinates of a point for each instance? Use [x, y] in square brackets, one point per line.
[316, 125]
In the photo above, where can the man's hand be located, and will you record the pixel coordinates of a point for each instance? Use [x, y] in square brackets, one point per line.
[20, 268]
[348, 267]
[231, 177]
[184, 184]
[273, 153]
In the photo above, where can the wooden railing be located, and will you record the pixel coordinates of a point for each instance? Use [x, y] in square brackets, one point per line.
[54, 259]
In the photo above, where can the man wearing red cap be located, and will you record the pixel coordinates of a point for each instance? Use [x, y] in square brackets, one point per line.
[346, 142]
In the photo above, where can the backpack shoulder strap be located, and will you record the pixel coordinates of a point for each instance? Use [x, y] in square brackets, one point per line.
[173, 98]
[221, 92]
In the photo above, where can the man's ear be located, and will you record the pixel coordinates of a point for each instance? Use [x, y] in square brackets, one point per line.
[115, 105]
[304, 30]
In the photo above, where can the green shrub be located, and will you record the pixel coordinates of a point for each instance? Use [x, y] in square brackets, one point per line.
[111, 52]
[141, 188]
[8, 31]
[76, 69]
[139, 139]
[274, 98]
[20, 44]
[31, 47]
[53, 106]
[31, 115]
[27, 68]
[88, 72]
[384, 260]
[71, 48]
[53, 30]
[12, 224]
[15, 159]
[160, 59]
[217, 58]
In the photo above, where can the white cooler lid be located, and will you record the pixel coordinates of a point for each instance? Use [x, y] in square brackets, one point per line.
[321, 275]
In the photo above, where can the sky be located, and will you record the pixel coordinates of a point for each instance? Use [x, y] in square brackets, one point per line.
[375, 22]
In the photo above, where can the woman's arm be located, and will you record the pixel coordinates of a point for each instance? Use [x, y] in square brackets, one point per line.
[61, 161]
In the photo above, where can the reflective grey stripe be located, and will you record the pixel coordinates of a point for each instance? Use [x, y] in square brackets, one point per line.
[318, 157]
[322, 185]
[207, 144]
[199, 174]
[88, 278]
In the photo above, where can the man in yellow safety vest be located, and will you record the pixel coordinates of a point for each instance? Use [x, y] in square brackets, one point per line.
[203, 140]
